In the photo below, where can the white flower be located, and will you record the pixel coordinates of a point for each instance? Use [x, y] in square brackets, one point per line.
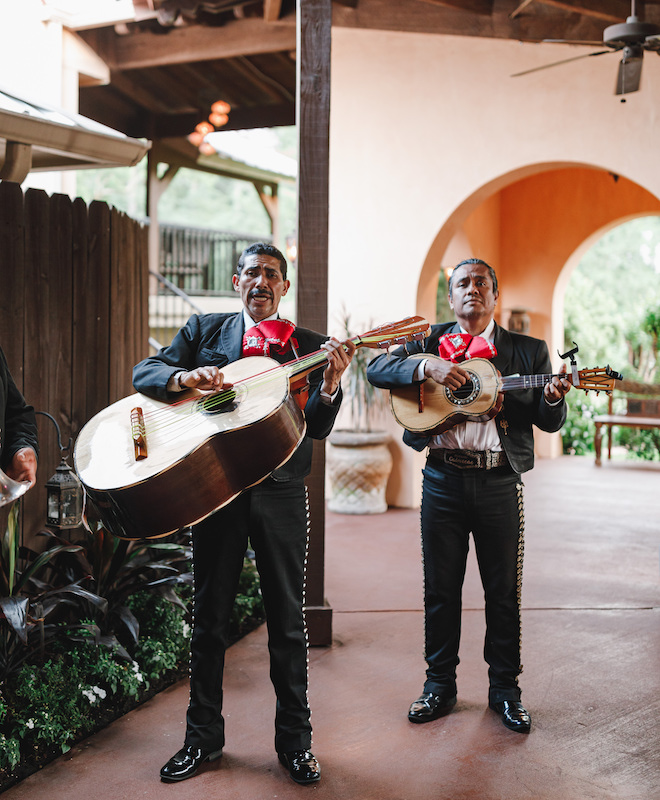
[136, 670]
[30, 723]
[89, 694]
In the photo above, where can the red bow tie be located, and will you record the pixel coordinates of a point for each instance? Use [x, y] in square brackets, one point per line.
[273, 333]
[459, 347]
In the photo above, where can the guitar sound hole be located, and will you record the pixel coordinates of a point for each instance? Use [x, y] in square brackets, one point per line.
[218, 404]
[466, 394]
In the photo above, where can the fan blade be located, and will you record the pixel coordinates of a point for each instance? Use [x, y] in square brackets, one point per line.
[564, 61]
[583, 42]
[630, 73]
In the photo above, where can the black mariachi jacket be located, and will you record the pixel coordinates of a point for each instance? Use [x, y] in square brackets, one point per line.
[516, 354]
[216, 340]
[18, 426]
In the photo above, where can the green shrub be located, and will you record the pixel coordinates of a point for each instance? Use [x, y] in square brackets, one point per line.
[49, 704]
[164, 640]
[579, 429]
[51, 700]
[639, 443]
[10, 746]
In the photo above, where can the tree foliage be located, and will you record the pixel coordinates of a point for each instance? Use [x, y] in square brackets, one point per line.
[612, 301]
[612, 310]
[193, 198]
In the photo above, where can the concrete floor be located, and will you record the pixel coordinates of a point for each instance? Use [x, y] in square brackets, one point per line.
[591, 678]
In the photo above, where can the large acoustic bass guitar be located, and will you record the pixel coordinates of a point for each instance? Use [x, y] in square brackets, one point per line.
[150, 468]
[432, 408]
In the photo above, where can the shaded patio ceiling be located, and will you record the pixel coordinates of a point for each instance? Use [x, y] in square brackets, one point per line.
[177, 57]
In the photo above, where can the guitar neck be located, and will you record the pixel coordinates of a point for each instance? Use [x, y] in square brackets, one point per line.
[300, 367]
[528, 381]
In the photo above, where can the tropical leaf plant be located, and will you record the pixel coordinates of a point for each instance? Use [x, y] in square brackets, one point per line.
[115, 570]
[26, 601]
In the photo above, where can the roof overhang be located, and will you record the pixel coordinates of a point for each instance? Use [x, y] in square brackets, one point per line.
[31, 143]
[178, 154]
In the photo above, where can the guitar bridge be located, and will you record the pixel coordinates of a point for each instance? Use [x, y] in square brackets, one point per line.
[138, 434]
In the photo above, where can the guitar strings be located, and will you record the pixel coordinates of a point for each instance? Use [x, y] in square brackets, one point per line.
[161, 419]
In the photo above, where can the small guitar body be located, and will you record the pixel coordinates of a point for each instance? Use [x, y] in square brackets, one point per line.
[201, 454]
[431, 407]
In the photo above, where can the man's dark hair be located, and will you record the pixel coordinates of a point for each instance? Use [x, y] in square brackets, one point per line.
[467, 261]
[261, 249]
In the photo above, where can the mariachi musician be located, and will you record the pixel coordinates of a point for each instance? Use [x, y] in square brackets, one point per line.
[273, 515]
[472, 484]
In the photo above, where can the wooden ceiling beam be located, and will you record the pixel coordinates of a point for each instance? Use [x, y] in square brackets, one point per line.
[473, 6]
[606, 10]
[272, 10]
[133, 89]
[419, 16]
[249, 36]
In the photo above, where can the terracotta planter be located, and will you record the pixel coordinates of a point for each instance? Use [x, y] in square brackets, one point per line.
[358, 466]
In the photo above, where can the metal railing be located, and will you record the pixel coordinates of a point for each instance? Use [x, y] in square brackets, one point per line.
[169, 309]
[201, 261]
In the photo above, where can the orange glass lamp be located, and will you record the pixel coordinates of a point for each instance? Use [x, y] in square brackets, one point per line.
[218, 119]
[204, 127]
[220, 107]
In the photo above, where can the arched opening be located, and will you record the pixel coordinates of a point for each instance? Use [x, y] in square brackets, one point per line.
[609, 294]
[529, 225]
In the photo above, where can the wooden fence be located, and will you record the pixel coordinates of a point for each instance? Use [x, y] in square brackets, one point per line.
[73, 315]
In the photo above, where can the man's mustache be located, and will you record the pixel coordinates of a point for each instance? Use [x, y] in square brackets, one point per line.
[261, 293]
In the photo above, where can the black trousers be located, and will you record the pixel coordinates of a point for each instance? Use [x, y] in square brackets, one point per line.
[488, 504]
[273, 516]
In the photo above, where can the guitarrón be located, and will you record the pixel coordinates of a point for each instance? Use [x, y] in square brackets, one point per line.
[150, 468]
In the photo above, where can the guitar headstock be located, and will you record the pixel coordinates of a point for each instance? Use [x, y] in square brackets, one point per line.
[410, 329]
[598, 379]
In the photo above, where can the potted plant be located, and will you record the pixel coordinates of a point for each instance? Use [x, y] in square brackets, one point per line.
[359, 461]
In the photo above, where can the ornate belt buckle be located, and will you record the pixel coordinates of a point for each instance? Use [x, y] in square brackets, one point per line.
[493, 459]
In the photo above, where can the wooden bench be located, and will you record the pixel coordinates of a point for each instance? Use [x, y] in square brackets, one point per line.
[642, 411]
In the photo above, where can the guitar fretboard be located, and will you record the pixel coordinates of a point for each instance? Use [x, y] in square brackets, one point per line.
[527, 381]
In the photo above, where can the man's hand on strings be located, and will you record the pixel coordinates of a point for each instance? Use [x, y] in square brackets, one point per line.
[557, 388]
[339, 357]
[206, 379]
[446, 373]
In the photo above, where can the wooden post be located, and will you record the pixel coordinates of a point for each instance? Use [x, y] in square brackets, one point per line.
[313, 120]
[155, 187]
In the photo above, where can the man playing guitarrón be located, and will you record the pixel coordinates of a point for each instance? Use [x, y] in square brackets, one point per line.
[472, 484]
[272, 514]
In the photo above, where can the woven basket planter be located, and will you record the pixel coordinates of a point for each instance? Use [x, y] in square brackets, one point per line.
[358, 466]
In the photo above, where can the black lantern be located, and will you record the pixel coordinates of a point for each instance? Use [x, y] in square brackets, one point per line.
[64, 498]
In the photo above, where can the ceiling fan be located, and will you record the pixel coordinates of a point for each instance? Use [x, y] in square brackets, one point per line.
[631, 38]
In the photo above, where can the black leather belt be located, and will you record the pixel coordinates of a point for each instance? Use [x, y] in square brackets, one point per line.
[470, 459]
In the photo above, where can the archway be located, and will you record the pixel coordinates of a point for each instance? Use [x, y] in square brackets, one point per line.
[529, 225]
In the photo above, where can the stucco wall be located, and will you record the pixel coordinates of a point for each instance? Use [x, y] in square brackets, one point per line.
[434, 148]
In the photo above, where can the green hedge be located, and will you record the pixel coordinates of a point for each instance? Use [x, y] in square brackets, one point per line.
[79, 685]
